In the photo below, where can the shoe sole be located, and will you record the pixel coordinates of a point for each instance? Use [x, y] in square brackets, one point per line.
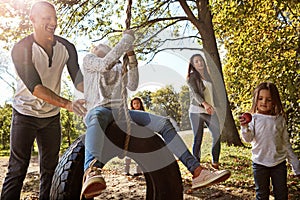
[93, 188]
[222, 177]
[137, 174]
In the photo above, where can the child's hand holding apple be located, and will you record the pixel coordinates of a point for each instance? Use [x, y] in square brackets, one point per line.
[245, 118]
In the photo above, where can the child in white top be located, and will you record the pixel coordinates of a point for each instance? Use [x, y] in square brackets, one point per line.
[269, 139]
[136, 103]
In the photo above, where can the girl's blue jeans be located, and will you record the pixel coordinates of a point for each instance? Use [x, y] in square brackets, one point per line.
[262, 177]
[99, 118]
[197, 121]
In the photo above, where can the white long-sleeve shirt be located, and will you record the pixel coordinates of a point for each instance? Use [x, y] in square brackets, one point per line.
[102, 87]
[269, 139]
[293, 160]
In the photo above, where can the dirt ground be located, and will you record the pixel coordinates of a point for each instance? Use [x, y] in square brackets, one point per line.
[124, 187]
[120, 186]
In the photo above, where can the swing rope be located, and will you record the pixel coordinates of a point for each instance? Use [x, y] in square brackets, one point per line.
[124, 106]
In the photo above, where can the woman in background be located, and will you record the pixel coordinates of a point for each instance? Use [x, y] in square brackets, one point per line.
[202, 108]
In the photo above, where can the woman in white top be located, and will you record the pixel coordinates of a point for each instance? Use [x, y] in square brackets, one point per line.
[202, 108]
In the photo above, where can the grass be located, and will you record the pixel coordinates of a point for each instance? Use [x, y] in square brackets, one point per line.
[238, 161]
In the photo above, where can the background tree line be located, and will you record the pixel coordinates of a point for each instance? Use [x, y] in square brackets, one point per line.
[164, 101]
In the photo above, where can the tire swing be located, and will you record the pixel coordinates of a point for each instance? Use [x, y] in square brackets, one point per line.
[163, 182]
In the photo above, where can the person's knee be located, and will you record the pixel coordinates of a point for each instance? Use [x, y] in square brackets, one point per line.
[48, 165]
[262, 192]
[98, 120]
[18, 167]
[280, 191]
[101, 114]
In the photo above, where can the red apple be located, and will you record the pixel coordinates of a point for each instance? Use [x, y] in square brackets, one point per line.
[247, 117]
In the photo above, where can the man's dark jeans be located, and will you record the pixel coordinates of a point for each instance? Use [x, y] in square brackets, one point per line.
[24, 130]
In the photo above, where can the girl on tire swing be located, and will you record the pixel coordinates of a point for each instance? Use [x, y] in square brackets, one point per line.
[102, 80]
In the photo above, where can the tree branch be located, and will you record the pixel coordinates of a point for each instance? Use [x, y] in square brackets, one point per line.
[189, 13]
[68, 24]
[171, 48]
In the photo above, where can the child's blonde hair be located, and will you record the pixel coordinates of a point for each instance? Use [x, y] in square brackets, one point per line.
[102, 47]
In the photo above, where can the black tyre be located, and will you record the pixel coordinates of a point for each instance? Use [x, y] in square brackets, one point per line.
[162, 183]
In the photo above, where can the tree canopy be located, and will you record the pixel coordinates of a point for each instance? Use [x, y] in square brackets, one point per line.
[262, 39]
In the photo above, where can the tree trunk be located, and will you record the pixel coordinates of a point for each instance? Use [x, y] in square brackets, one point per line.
[204, 25]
